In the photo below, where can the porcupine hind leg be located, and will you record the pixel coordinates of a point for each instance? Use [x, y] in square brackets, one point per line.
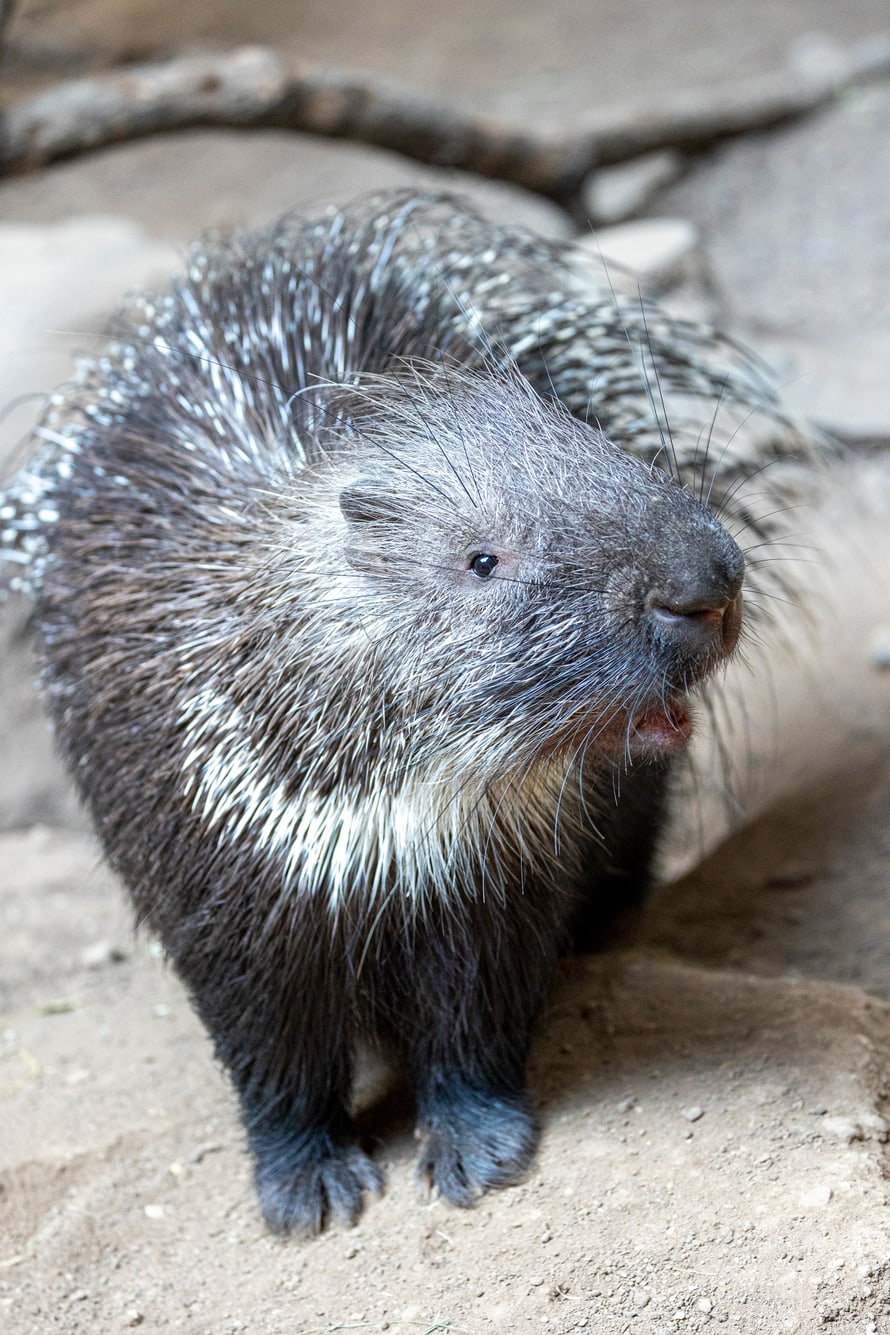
[278, 1014]
[479, 985]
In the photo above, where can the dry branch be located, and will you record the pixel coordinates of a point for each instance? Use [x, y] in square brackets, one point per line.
[254, 87]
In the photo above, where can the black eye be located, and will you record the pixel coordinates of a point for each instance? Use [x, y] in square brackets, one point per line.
[483, 565]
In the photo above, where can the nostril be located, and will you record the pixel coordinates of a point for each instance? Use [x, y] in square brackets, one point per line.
[702, 615]
[699, 623]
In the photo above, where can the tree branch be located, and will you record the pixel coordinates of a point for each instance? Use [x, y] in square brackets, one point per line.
[254, 87]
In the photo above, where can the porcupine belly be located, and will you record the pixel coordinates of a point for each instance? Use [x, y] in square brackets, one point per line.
[352, 635]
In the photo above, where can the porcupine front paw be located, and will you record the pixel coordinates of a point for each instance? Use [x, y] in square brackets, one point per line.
[476, 1142]
[305, 1186]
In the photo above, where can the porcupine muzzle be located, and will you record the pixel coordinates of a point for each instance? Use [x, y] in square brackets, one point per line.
[691, 619]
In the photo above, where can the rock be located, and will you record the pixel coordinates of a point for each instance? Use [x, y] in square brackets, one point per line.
[58, 282]
[100, 953]
[795, 227]
[613, 194]
[176, 186]
[867, 1125]
[817, 1197]
[658, 252]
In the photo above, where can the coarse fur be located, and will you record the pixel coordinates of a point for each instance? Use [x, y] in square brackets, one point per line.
[367, 610]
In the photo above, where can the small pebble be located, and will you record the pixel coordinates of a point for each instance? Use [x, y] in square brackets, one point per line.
[705, 1305]
[614, 194]
[154, 1211]
[694, 1113]
[134, 1317]
[100, 953]
[842, 1128]
[817, 1197]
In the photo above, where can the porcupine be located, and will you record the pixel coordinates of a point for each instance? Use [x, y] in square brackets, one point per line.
[367, 603]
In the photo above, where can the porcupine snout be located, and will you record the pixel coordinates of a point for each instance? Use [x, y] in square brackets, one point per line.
[693, 607]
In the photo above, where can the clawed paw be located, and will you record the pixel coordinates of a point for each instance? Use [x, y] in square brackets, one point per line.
[474, 1145]
[325, 1184]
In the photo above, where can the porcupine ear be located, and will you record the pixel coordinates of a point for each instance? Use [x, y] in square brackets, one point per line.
[364, 504]
[370, 500]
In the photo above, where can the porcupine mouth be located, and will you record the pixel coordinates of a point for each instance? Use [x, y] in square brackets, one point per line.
[659, 729]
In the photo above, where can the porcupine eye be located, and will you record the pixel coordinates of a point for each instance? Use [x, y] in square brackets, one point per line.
[483, 565]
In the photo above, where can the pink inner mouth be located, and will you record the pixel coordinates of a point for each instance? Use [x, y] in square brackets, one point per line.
[661, 728]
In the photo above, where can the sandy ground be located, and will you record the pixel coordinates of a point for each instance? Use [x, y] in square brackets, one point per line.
[714, 1089]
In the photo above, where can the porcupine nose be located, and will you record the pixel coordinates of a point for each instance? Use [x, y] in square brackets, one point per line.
[697, 609]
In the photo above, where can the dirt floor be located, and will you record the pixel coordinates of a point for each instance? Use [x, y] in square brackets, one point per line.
[713, 1089]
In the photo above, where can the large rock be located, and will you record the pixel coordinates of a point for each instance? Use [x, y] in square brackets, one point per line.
[59, 282]
[176, 186]
[796, 226]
